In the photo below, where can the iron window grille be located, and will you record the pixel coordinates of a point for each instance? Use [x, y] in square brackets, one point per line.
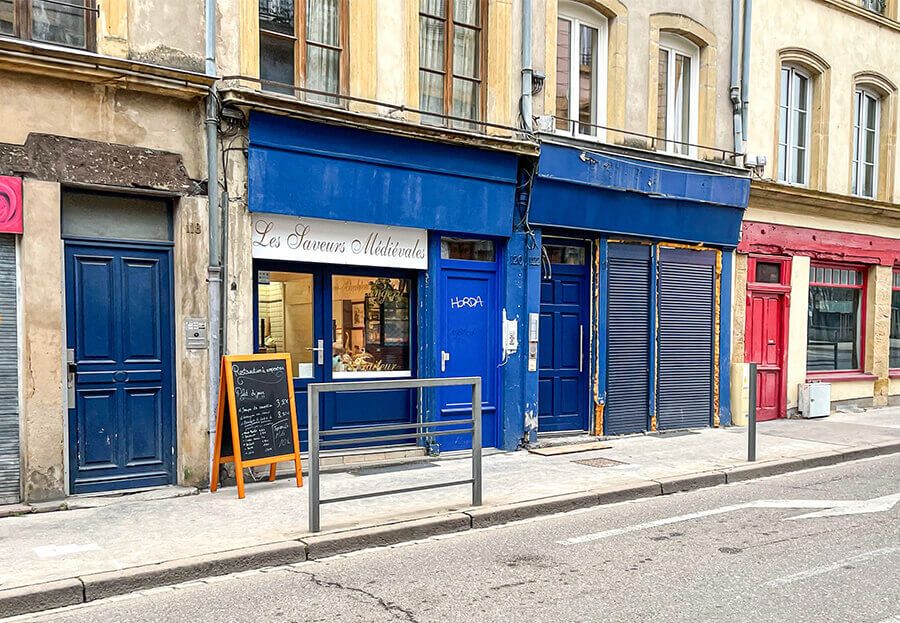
[69, 23]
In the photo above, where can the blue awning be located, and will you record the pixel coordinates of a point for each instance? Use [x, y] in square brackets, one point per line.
[582, 189]
[326, 171]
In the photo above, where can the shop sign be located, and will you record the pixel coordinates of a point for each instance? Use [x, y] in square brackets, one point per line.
[11, 205]
[301, 239]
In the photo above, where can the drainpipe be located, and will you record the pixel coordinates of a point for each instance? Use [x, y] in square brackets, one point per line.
[745, 71]
[527, 70]
[735, 75]
[214, 271]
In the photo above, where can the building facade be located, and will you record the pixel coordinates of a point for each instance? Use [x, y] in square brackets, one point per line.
[819, 251]
[102, 157]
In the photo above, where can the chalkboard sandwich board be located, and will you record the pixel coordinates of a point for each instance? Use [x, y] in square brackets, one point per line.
[257, 418]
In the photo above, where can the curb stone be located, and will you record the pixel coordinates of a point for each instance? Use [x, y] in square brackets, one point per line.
[325, 545]
[111, 583]
[44, 596]
[72, 591]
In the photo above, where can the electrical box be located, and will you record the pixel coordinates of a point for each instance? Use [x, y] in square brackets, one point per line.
[534, 329]
[195, 335]
[815, 400]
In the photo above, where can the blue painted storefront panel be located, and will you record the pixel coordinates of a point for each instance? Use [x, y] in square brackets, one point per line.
[317, 170]
[589, 191]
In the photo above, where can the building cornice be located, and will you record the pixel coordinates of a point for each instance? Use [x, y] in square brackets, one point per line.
[799, 200]
[68, 64]
[253, 99]
[854, 9]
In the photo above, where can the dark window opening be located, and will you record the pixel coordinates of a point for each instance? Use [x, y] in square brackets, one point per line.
[70, 23]
[768, 272]
[467, 249]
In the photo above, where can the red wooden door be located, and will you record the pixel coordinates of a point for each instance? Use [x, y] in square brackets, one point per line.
[765, 346]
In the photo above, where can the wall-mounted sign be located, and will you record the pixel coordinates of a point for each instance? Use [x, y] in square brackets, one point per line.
[11, 221]
[300, 239]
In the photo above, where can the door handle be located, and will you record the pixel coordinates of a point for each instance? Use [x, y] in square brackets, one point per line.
[319, 350]
[581, 348]
[445, 357]
[71, 370]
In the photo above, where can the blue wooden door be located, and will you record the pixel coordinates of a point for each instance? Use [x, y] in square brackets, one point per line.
[469, 321]
[562, 350]
[119, 332]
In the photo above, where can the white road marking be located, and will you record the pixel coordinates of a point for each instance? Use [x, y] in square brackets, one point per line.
[832, 506]
[875, 505]
[55, 551]
[816, 571]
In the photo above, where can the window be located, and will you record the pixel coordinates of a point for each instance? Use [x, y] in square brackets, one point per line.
[866, 120]
[836, 298]
[677, 94]
[314, 59]
[467, 249]
[286, 311]
[564, 254]
[370, 322]
[878, 6]
[581, 40]
[450, 58]
[793, 126]
[767, 272]
[895, 322]
[71, 23]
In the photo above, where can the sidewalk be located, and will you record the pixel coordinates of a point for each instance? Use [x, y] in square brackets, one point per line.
[202, 531]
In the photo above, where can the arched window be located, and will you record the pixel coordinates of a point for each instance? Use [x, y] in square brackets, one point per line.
[581, 49]
[866, 122]
[677, 94]
[794, 125]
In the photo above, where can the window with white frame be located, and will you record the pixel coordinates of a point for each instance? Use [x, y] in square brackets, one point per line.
[793, 126]
[581, 43]
[866, 115]
[677, 94]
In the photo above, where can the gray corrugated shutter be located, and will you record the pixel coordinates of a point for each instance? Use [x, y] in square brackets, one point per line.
[627, 339]
[9, 383]
[686, 291]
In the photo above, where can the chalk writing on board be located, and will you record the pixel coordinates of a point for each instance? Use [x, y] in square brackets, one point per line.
[263, 408]
[466, 301]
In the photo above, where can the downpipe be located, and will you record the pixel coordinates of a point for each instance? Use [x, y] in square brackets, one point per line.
[527, 106]
[214, 269]
[735, 90]
[745, 72]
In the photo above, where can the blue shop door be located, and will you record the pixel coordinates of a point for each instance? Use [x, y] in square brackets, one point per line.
[562, 350]
[468, 345]
[119, 332]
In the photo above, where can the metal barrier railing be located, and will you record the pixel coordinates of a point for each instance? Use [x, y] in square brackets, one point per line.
[423, 430]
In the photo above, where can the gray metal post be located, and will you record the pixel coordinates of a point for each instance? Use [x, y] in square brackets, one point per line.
[476, 443]
[313, 431]
[751, 416]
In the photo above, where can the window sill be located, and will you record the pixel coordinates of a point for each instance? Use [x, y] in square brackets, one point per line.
[838, 377]
[894, 374]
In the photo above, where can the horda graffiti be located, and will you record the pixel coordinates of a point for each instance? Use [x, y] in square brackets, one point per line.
[461, 302]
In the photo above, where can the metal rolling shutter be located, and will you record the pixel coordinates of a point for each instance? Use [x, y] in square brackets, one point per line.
[686, 331]
[627, 339]
[9, 384]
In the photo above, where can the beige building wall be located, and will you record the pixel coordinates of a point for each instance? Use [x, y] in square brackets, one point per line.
[634, 28]
[856, 42]
[103, 117]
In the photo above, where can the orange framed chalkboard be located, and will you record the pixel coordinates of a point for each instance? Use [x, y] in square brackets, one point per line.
[256, 422]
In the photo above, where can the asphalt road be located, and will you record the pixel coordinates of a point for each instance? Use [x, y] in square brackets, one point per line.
[732, 553]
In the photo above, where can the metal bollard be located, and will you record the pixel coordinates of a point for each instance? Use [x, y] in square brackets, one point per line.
[751, 416]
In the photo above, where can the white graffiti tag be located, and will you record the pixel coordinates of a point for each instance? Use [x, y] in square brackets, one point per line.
[466, 301]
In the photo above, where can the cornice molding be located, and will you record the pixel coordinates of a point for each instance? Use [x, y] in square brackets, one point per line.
[253, 99]
[29, 57]
[858, 11]
[799, 200]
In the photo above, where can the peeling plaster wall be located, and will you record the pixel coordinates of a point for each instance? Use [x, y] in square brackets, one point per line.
[42, 379]
[163, 32]
[103, 113]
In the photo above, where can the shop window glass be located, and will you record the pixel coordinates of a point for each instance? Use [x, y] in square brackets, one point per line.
[768, 272]
[370, 326]
[564, 254]
[895, 322]
[467, 249]
[286, 311]
[834, 317]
